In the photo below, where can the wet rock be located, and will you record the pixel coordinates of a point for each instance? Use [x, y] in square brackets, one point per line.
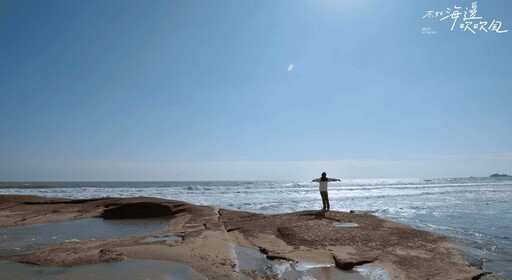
[492, 276]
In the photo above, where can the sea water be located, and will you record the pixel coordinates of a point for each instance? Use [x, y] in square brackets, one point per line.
[477, 212]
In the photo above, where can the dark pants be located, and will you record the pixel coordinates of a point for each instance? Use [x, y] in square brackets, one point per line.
[325, 200]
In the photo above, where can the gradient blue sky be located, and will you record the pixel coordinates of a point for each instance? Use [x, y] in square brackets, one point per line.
[189, 90]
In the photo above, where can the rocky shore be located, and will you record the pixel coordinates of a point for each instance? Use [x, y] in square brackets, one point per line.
[208, 236]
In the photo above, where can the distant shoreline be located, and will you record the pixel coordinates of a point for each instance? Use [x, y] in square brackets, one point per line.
[496, 175]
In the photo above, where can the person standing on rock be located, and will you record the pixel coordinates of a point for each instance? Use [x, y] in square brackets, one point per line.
[323, 189]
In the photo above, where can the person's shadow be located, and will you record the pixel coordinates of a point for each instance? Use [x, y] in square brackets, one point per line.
[319, 215]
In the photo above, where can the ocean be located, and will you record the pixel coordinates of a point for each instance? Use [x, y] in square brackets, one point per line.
[476, 212]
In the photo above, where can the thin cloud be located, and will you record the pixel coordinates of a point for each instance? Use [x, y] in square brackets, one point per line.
[105, 170]
[290, 68]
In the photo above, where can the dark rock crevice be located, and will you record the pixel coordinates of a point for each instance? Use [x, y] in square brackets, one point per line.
[349, 265]
[272, 255]
[233, 229]
[137, 210]
[480, 276]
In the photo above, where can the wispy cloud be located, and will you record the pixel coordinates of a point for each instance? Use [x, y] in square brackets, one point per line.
[290, 67]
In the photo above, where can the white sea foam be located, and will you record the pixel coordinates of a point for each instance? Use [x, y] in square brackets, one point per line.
[371, 272]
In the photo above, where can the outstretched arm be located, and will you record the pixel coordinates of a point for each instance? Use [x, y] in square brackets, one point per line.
[333, 180]
[316, 180]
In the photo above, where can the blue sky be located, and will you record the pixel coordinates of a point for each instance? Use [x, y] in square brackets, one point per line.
[117, 90]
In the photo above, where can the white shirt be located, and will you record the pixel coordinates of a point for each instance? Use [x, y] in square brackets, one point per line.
[323, 184]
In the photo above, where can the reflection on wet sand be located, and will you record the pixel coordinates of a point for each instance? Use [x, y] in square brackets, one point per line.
[127, 270]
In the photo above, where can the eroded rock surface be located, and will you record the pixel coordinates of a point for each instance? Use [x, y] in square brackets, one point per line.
[208, 237]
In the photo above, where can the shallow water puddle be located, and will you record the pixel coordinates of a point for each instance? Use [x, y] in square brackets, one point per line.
[346, 225]
[20, 239]
[253, 264]
[251, 261]
[322, 273]
[129, 269]
[166, 238]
